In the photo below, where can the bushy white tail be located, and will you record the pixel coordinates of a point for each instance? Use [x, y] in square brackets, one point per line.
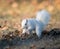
[43, 16]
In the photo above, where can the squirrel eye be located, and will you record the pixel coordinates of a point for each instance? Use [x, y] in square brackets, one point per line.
[25, 23]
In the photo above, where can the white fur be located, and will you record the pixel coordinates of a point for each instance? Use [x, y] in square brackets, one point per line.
[43, 16]
[37, 24]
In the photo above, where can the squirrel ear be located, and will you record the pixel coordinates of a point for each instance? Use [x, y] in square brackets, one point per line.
[26, 20]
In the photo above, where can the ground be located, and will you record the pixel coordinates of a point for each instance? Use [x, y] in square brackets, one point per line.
[50, 40]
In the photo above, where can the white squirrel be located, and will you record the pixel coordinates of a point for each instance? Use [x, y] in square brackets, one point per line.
[36, 24]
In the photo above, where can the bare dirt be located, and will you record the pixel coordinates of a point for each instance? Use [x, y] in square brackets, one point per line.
[50, 40]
